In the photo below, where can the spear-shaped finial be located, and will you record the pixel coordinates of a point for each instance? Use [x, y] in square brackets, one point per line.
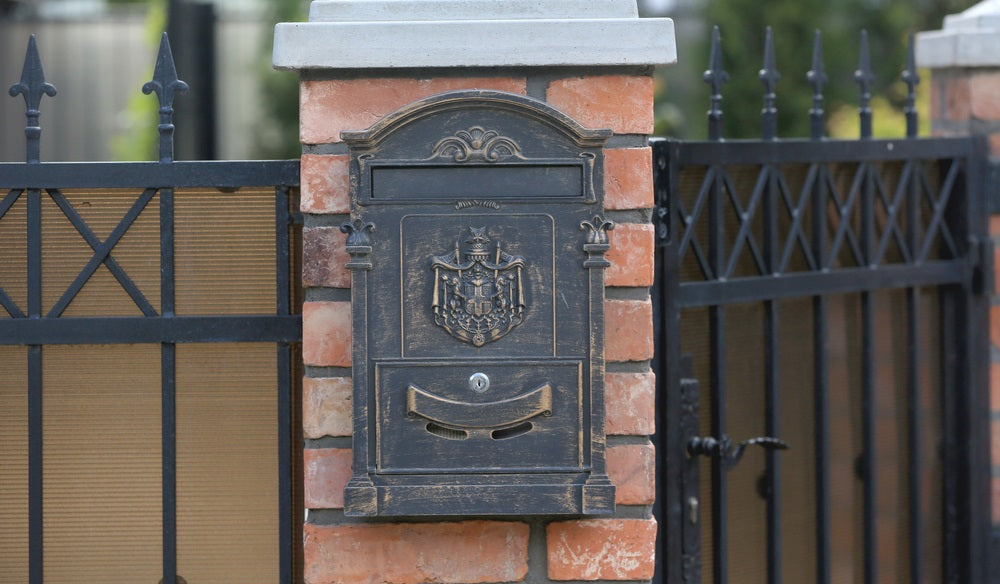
[817, 78]
[716, 77]
[32, 86]
[165, 83]
[769, 76]
[911, 78]
[863, 76]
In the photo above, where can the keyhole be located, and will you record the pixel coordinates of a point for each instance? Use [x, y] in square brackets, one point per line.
[479, 382]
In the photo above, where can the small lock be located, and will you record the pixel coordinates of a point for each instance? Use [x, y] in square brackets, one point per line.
[479, 382]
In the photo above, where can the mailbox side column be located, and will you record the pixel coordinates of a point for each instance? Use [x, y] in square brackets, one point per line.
[361, 60]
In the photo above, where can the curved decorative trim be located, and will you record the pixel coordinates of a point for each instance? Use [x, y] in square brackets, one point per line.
[460, 415]
[527, 106]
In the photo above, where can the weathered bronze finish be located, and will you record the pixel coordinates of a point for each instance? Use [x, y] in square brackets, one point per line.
[477, 248]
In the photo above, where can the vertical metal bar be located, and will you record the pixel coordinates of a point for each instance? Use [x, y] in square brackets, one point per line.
[769, 76]
[817, 78]
[282, 223]
[716, 77]
[911, 78]
[35, 439]
[863, 76]
[168, 364]
[821, 414]
[772, 377]
[168, 390]
[913, 360]
[717, 332]
[868, 383]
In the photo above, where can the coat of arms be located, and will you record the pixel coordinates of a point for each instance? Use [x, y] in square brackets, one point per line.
[478, 295]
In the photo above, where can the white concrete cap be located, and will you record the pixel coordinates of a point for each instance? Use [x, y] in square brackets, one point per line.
[368, 34]
[968, 39]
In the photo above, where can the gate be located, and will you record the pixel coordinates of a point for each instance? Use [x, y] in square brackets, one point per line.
[137, 295]
[822, 353]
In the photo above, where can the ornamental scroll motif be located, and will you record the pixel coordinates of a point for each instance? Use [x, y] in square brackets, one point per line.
[478, 295]
[477, 144]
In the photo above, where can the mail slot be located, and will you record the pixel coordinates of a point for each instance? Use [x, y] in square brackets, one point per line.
[477, 242]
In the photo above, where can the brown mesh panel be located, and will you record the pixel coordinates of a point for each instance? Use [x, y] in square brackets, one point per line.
[13, 464]
[225, 252]
[101, 419]
[227, 460]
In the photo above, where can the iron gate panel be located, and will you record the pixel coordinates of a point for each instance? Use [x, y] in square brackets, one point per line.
[33, 194]
[886, 238]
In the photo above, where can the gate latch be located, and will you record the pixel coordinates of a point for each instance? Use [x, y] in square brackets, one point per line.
[725, 449]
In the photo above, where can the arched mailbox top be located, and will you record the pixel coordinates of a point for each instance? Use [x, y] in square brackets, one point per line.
[472, 99]
[475, 144]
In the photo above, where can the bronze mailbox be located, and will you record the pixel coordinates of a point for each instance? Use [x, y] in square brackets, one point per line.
[477, 247]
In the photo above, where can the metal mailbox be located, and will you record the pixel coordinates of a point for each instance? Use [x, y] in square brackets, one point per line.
[477, 246]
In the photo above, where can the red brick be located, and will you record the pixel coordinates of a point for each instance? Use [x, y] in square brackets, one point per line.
[995, 442]
[630, 402]
[326, 471]
[628, 178]
[632, 468]
[995, 227]
[984, 96]
[623, 103]
[326, 334]
[329, 107]
[602, 549]
[994, 140]
[324, 256]
[414, 553]
[995, 387]
[996, 500]
[995, 325]
[957, 107]
[628, 330]
[631, 255]
[326, 184]
[327, 406]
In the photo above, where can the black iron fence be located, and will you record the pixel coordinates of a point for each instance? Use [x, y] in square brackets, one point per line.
[152, 253]
[827, 301]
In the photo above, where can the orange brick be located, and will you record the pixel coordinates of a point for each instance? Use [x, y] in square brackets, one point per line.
[628, 178]
[623, 103]
[326, 471]
[632, 468]
[995, 442]
[631, 255]
[329, 107]
[602, 549]
[449, 553]
[324, 257]
[995, 230]
[995, 325]
[630, 402]
[628, 330]
[984, 96]
[327, 406]
[994, 140]
[326, 334]
[326, 184]
[996, 500]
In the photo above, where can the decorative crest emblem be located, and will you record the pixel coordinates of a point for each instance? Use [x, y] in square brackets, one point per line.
[478, 295]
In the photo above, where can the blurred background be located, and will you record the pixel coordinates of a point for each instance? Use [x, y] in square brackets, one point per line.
[99, 53]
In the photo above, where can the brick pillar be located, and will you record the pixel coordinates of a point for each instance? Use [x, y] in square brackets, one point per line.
[360, 60]
[964, 58]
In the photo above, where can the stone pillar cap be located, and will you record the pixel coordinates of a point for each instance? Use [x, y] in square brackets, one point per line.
[374, 34]
[968, 39]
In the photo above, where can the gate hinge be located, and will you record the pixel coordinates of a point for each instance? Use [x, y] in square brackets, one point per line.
[982, 265]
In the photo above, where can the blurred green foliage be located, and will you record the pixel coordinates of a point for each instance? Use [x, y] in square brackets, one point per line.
[278, 134]
[743, 24]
